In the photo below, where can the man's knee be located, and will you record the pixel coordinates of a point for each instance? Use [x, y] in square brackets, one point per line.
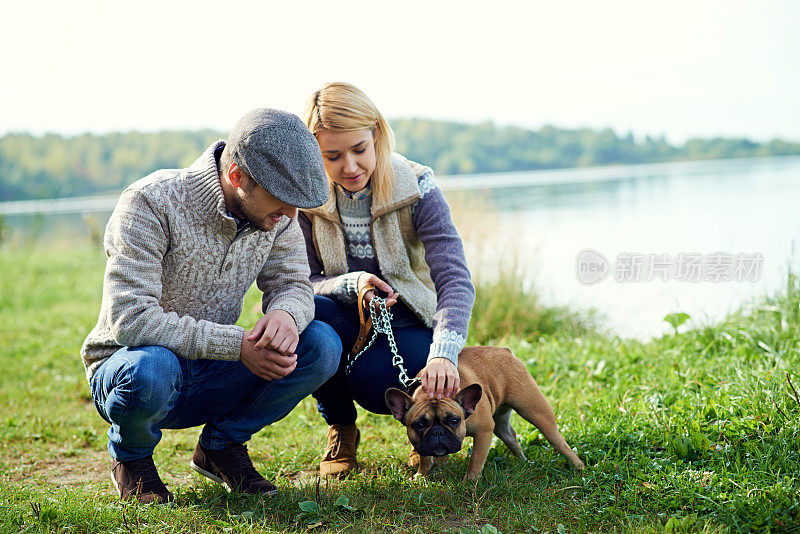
[148, 381]
[322, 349]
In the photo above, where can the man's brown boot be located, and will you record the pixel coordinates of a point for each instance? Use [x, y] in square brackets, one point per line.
[138, 480]
[340, 455]
[232, 467]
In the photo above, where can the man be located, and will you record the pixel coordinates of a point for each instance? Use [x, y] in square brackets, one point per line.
[183, 248]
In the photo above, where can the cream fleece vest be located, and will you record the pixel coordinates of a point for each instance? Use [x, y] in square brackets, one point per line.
[398, 249]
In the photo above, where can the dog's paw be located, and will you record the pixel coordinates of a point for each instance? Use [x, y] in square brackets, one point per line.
[471, 478]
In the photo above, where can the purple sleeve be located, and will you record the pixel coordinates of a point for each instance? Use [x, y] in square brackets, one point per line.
[444, 254]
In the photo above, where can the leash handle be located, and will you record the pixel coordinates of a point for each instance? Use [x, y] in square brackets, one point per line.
[364, 319]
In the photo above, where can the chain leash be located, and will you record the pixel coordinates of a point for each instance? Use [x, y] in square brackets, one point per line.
[382, 323]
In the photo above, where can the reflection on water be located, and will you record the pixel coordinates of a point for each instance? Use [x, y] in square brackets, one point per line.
[543, 220]
[615, 186]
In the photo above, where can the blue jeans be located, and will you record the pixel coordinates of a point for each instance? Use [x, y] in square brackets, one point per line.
[142, 390]
[373, 373]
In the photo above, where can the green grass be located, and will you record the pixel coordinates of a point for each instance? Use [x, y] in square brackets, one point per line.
[692, 432]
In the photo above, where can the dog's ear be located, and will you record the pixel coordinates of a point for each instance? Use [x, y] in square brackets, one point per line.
[468, 398]
[398, 402]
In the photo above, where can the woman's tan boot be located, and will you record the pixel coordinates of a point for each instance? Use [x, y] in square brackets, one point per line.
[340, 455]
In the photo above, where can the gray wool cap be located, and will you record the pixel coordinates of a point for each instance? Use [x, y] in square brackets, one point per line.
[277, 150]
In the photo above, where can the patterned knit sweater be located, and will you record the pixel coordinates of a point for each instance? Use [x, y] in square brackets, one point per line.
[354, 212]
[178, 270]
[444, 254]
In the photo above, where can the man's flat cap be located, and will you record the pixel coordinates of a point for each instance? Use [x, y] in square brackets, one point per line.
[277, 150]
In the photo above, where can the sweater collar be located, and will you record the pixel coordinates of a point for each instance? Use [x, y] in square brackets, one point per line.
[357, 195]
[203, 177]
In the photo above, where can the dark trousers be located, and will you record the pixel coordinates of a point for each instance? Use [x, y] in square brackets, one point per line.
[373, 373]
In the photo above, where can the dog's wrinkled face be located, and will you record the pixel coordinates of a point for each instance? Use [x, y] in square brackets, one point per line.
[436, 427]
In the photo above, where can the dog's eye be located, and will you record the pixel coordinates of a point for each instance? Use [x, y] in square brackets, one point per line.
[419, 425]
[453, 420]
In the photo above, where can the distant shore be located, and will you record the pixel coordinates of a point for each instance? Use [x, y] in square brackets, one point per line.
[55, 166]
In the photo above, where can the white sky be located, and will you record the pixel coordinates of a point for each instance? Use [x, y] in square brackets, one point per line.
[681, 68]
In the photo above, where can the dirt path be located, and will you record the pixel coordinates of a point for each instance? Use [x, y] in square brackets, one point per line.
[92, 468]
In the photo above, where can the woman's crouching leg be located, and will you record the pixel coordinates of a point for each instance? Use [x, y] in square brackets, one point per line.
[374, 373]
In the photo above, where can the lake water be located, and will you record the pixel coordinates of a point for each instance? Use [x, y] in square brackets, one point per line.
[721, 233]
[696, 237]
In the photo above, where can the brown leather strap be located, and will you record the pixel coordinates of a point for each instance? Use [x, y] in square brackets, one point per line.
[365, 320]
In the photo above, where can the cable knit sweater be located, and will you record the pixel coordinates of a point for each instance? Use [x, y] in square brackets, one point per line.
[178, 270]
[416, 245]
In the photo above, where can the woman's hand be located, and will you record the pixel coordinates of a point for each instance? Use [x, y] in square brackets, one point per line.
[368, 279]
[440, 378]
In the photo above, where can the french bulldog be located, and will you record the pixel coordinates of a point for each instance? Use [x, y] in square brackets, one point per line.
[494, 382]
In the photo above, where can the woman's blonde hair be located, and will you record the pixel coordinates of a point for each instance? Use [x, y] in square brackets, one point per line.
[342, 107]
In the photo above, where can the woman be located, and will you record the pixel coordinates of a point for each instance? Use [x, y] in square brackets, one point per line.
[385, 224]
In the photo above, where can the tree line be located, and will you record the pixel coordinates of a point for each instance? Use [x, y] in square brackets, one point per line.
[53, 166]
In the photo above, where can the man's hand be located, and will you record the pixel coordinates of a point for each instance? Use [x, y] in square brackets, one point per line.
[440, 378]
[265, 363]
[367, 279]
[276, 331]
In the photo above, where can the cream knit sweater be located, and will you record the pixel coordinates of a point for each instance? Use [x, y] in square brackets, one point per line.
[177, 270]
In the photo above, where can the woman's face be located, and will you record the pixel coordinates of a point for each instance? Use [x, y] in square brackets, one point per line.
[349, 157]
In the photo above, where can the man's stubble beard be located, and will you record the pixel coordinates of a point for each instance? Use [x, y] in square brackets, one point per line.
[260, 223]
